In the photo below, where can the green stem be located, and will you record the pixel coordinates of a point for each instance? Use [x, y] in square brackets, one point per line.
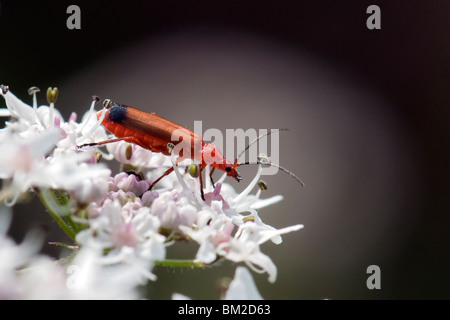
[182, 263]
[62, 223]
[58, 209]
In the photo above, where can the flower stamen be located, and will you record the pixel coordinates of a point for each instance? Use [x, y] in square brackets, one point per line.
[32, 92]
[4, 88]
[249, 188]
[95, 100]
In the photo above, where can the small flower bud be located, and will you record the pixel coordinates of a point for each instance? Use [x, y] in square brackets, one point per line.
[4, 88]
[248, 218]
[52, 95]
[129, 152]
[138, 174]
[262, 185]
[194, 170]
[107, 103]
[33, 90]
[170, 147]
[264, 159]
[98, 157]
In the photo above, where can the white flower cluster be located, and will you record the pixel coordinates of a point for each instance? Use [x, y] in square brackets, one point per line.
[25, 274]
[40, 150]
[125, 226]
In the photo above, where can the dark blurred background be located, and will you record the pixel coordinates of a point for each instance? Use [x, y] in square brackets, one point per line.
[367, 112]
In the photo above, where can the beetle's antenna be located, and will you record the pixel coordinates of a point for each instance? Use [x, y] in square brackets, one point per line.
[276, 166]
[251, 143]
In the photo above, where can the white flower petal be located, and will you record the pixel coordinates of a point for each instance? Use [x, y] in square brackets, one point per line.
[18, 108]
[4, 113]
[262, 203]
[242, 287]
[179, 296]
[260, 262]
[206, 253]
[274, 234]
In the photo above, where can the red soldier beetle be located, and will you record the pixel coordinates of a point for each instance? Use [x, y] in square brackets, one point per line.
[156, 134]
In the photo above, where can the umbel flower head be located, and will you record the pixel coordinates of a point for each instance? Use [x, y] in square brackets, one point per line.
[119, 227]
[40, 151]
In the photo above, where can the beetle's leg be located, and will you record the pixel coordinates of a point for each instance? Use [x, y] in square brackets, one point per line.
[210, 176]
[127, 139]
[201, 184]
[169, 171]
